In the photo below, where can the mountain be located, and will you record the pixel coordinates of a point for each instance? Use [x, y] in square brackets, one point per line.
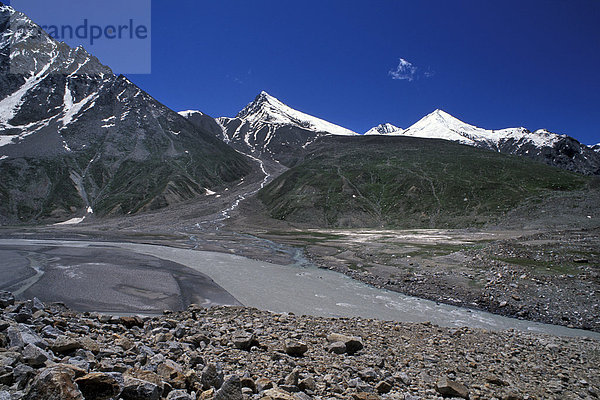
[205, 122]
[596, 148]
[77, 139]
[270, 129]
[553, 149]
[407, 182]
[385, 129]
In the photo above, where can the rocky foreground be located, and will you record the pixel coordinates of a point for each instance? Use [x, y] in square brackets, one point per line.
[50, 352]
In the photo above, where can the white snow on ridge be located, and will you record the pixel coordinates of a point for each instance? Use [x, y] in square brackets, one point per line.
[385, 129]
[189, 113]
[441, 125]
[269, 110]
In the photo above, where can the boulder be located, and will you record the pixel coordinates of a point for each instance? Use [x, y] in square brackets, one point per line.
[6, 299]
[54, 383]
[244, 340]
[21, 335]
[353, 343]
[450, 388]
[230, 390]
[138, 389]
[64, 345]
[212, 377]
[295, 348]
[98, 386]
[337, 348]
[34, 356]
[179, 395]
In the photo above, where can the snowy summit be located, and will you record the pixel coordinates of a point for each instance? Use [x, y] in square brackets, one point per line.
[266, 109]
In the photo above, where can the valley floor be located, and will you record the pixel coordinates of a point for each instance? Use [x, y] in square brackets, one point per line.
[546, 273]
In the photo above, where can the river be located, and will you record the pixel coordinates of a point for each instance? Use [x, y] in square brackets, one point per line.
[306, 289]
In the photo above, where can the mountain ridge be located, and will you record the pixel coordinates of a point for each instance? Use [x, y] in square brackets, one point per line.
[541, 145]
[75, 139]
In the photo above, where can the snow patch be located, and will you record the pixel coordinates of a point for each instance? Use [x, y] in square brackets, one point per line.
[72, 221]
[70, 108]
[209, 192]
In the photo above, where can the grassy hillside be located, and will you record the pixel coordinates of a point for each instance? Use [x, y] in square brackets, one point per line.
[407, 183]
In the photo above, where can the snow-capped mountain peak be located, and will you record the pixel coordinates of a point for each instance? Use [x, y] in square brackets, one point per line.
[385, 129]
[266, 109]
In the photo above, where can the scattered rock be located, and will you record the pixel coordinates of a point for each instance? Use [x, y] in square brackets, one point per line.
[6, 299]
[244, 341]
[450, 388]
[353, 343]
[65, 344]
[179, 395]
[98, 386]
[54, 383]
[137, 389]
[383, 387]
[34, 356]
[230, 390]
[130, 322]
[295, 348]
[277, 394]
[212, 377]
[337, 347]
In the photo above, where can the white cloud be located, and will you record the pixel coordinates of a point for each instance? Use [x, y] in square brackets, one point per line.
[405, 71]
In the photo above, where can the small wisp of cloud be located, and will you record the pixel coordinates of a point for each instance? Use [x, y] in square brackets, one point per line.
[405, 71]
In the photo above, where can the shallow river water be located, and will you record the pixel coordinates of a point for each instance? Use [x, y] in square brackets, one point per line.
[303, 289]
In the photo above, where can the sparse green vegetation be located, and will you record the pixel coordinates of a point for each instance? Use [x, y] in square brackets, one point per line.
[408, 183]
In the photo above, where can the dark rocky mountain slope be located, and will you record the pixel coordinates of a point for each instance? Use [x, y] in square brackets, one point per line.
[77, 139]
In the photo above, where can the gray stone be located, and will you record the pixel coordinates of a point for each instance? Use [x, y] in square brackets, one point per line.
[212, 376]
[230, 390]
[21, 335]
[64, 344]
[6, 299]
[180, 395]
[244, 340]
[337, 347]
[368, 375]
[295, 348]
[138, 389]
[353, 343]
[34, 356]
[450, 388]
[54, 383]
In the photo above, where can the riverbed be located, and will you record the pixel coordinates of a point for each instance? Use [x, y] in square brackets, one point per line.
[304, 289]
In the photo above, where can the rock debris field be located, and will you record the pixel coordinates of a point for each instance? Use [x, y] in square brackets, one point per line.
[50, 352]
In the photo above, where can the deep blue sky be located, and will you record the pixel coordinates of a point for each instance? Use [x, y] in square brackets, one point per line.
[495, 64]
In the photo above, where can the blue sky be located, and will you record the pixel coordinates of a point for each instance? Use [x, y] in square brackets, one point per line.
[495, 64]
